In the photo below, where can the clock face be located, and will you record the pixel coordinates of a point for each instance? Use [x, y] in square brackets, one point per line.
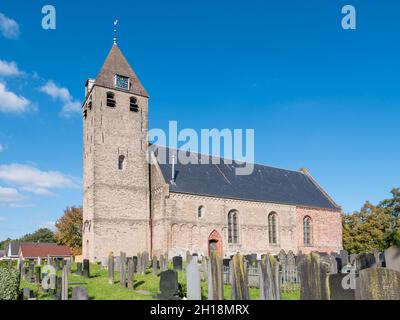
[122, 82]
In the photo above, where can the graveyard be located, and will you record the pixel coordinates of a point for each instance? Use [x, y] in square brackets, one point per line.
[315, 276]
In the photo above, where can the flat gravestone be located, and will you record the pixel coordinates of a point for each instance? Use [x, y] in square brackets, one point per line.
[169, 286]
[177, 263]
[337, 291]
[378, 284]
[392, 258]
[79, 293]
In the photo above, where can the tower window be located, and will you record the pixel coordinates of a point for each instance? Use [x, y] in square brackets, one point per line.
[233, 229]
[110, 100]
[307, 229]
[200, 212]
[121, 160]
[272, 234]
[84, 113]
[133, 104]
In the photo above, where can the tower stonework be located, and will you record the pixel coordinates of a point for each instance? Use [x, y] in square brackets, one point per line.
[116, 208]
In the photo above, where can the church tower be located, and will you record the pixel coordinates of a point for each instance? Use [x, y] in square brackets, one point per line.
[116, 208]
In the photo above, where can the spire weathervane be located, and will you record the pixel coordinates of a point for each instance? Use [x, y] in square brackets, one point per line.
[115, 31]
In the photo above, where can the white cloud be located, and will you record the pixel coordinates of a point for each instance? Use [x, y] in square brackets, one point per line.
[70, 106]
[48, 224]
[34, 180]
[12, 103]
[10, 195]
[9, 69]
[9, 28]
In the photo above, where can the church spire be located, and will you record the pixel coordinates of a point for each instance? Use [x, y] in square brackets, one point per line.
[115, 31]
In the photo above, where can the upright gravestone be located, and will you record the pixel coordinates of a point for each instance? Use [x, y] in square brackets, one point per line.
[365, 261]
[64, 284]
[59, 288]
[282, 261]
[240, 289]
[130, 273]
[337, 289]
[28, 294]
[193, 281]
[146, 259]
[215, 278]
[344, 258]
[38, 274]
[79, 293]
[155, 265]
[392, 258]
[379, 259]
[269, 289]
[169, 285]
[79, 268]
[352, 259]
[290, 266]
[122, 270]
[31, 277]
[378, 284]
[177, 263]
[110, 268]
[188, 257]
[139, 264]
[313, 275]
[135, 263]
[86, 270]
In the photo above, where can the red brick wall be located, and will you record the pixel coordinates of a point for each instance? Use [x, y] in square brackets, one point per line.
[326, 230]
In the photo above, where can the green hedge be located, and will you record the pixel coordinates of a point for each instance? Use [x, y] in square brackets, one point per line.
[9, 284]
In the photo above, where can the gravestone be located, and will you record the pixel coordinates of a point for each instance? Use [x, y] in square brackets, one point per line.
[215, 278]
[193, 281]
[344, 258]
[28, 294]
[379, 259]
[130, 273]
[392, 258]
[135, 263]
[268, 282]
[58, 288]
[146, 260]
[78, 268]
[240, 289]
[365, 261]
[337, 292]
[353, 258]
[64, 284]
[282, 260]
[140, 264]
[38, 275]
[313, 275]
[31, 276]
[188, 257]
[110, 268]
[163, 263]
[177, 263]
[117, 263]
[203, 269]
[169, 285]
[79, 293]
[378, 284]
[122, 270]
[155, 265]
[86, 268]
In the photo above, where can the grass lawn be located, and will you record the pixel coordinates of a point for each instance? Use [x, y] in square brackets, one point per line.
[145, 287]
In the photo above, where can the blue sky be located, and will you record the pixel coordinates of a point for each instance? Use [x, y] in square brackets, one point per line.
[317, 96]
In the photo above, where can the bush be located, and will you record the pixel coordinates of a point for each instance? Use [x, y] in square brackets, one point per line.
[9, 284]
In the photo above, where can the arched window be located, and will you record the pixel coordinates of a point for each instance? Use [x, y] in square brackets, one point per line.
[121, 160]
[133, 105]
[233, 228]
[307, 229]
[200, 212]
[110, 100]
[272, 226]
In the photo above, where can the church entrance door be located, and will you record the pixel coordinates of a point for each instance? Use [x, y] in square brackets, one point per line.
[215, 243]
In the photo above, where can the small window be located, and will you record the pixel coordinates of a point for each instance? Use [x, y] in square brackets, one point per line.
[233, 228]
[110, 100]
[200, 212]
[90, 105]
[307, 229]
[272, 235]
[134, 105]
[85, 113]
[121, 160]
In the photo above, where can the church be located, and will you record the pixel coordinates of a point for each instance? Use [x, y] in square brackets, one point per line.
[133, 205]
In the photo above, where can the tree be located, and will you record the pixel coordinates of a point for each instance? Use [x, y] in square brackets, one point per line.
[43, 235]
[373, 227]
[70, 229]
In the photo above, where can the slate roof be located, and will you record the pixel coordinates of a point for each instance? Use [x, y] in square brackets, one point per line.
[265, 184]
[43, 250]
[117, 64]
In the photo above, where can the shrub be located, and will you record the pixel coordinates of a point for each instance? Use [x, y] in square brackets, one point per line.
[9, 284]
